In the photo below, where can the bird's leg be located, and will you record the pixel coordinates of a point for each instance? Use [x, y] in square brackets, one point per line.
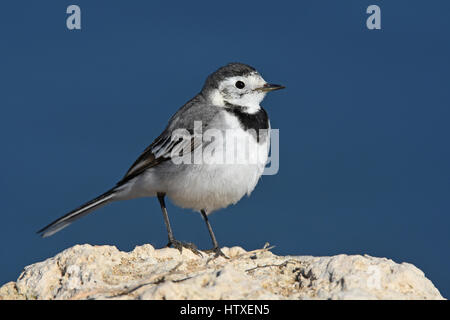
[215, 248]
[172, 242]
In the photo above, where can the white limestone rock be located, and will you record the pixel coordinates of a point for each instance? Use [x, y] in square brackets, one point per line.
[104, 272]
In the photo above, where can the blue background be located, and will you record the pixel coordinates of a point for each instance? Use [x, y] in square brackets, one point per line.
[364, 124]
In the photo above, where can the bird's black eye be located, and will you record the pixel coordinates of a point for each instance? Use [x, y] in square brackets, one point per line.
[240, 84]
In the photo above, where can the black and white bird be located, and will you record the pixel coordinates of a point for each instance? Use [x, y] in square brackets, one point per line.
[229, 102]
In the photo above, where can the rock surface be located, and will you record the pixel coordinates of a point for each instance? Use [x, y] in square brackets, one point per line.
[104, 272]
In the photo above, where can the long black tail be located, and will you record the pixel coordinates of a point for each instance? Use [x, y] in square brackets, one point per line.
[86, 208]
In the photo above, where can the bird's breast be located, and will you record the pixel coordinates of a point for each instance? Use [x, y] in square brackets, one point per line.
[253, 121]
[227, 172]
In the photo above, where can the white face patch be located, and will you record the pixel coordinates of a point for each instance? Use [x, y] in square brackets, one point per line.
[240, 90]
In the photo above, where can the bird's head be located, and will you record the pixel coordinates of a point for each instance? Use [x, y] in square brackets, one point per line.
[237, 84]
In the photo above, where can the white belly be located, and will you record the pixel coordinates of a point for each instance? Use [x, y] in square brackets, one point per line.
[212, 184]
[219, 182]
[214, 187]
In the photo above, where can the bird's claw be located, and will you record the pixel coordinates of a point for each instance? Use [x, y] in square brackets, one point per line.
[217, 253]
[180, 245]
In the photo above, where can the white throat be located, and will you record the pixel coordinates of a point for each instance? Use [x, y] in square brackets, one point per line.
[249, 101]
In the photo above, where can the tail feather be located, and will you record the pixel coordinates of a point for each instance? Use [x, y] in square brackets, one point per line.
[86, 208]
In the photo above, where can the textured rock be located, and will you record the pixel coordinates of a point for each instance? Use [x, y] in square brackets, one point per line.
[104, 272]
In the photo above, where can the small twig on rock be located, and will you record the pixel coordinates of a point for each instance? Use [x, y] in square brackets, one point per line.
[284, 264]
[158, 280]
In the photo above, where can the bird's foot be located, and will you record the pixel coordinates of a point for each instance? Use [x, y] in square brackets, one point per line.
[180, 245]
[217, 252]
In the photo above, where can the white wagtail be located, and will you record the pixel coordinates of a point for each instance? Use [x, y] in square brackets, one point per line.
[229, 100]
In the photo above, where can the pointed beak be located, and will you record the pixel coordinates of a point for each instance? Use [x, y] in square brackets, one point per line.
[270, 87]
